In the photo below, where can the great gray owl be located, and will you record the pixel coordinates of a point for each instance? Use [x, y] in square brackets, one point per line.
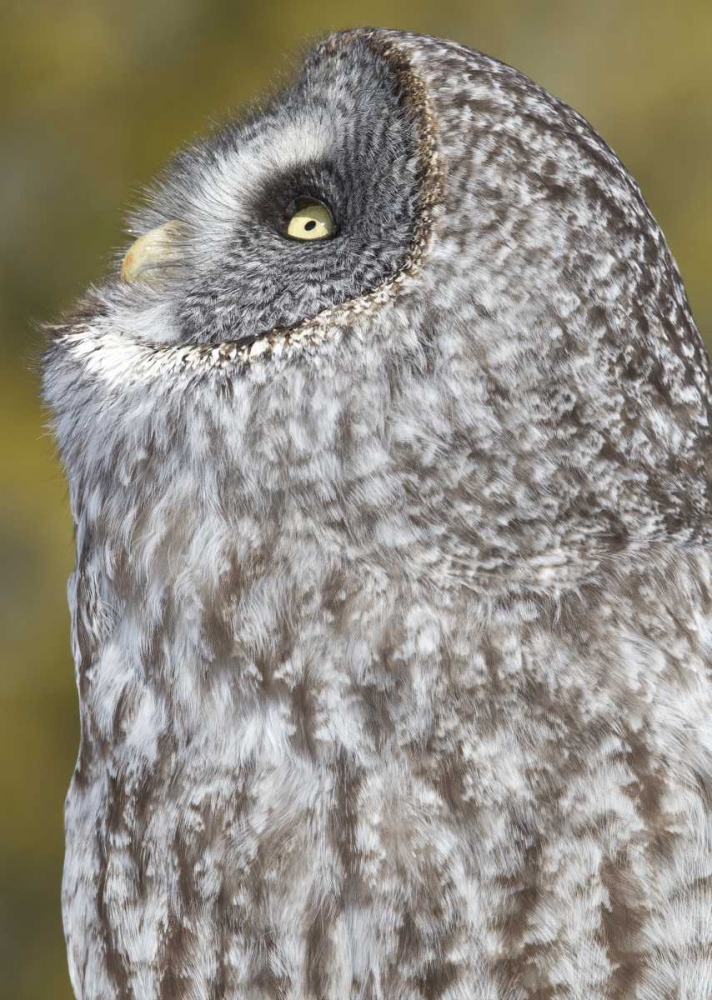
[392, 615]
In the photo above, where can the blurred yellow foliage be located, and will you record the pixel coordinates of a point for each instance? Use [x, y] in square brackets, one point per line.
[94, 95]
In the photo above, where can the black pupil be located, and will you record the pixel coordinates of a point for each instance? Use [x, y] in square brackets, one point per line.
[310, 225]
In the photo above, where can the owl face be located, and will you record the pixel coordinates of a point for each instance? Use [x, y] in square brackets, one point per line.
[417, 304]
[307, 206]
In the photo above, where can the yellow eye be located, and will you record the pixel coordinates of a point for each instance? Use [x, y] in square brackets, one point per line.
[311, 221]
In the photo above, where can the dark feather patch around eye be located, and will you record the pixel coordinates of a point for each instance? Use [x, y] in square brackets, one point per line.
[281, 196]
[366, 174]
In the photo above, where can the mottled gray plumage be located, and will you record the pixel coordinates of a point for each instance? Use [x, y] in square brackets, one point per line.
[392, 612]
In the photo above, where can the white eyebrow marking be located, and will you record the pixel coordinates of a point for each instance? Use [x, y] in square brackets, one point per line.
[227, 183]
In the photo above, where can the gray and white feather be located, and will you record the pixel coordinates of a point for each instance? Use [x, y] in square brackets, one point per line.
[392, 611]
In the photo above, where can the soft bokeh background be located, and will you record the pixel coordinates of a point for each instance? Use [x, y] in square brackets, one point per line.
[94, 95]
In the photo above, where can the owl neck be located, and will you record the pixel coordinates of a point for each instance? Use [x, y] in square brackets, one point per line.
[250, 642]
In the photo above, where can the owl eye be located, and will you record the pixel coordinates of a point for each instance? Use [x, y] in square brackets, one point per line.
[311, 221]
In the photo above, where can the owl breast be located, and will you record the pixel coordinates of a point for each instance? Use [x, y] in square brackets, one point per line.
[381, 791]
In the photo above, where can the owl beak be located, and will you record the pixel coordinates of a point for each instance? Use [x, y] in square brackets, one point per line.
[148, 259]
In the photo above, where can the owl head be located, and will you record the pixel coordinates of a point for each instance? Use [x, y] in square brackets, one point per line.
[414, 310]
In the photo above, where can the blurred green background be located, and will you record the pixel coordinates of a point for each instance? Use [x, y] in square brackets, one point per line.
[94, 95]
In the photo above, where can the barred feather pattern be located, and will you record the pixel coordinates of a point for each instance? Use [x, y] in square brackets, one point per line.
[393, 636]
